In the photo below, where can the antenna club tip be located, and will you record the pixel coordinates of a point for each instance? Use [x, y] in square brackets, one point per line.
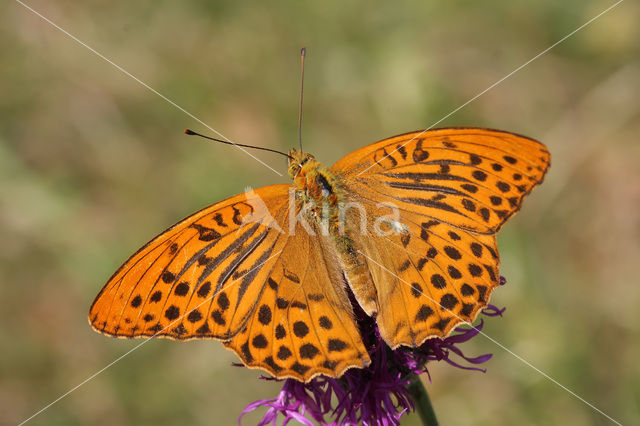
[303, 51]
[189, 132]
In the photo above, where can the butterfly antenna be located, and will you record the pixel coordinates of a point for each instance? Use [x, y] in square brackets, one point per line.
[303, 52]
[191, 132]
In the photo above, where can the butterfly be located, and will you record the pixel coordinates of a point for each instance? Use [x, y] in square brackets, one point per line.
[407, 225]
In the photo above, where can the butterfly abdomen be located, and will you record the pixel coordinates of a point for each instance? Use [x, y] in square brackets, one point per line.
[322, 191]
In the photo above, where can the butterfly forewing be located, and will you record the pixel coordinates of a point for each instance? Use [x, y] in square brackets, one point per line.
[177, 284]
[473, 179]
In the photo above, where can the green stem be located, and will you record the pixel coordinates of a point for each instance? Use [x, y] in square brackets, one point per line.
[422, 401]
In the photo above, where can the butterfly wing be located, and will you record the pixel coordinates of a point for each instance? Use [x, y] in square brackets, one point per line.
[225, 273]
[453, 189]
[472, 178]
[186, 271]
[304, 325]
[430, 278]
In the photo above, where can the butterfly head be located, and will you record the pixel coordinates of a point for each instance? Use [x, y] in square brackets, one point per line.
[299, 162]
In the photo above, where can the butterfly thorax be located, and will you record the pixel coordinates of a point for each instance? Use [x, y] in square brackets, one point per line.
[320, 193]
[318, 190]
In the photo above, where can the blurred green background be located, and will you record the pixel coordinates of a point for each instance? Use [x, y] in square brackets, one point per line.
[92, 165]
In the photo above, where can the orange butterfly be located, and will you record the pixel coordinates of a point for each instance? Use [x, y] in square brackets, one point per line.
[268, 272]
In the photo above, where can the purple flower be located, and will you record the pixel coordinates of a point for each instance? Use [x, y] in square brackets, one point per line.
[376, 395]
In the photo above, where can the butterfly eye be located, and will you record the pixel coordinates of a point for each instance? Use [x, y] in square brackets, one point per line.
[306, 158]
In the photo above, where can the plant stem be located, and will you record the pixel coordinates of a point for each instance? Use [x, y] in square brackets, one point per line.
[422, 401]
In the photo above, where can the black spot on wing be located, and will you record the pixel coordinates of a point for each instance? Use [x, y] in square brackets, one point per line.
[281, 333]
[403, 152]
[452, 252]
[424, 313]
[272, 283]
[336, 345]
[284, 353]
[475, 270]
[419, 154]
[474, 159]
[405, 265]
[237, 218]
[466, 290]
[308, 351]
[442, 324]
[405, 238]
[315, 297]
[194, 316]
[181, 289]
[325, 323]
[172, 312]
[300, 329]
[292, 276]
[246, 353]
[219, 220]
[454, 236]
[438, 281]
[469, 188]
[204, 290]
[156, 297]
[223, 301]
[479, 175]
[168, 277]
[206, 234]
[264, 315]
[260, 341]
[454, 272]
[467, 309]
[389, 156]
[203, 329]
[271, 363]
[300, 368]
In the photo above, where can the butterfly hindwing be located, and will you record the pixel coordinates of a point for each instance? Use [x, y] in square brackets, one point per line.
[304, 324]
[429, 278]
